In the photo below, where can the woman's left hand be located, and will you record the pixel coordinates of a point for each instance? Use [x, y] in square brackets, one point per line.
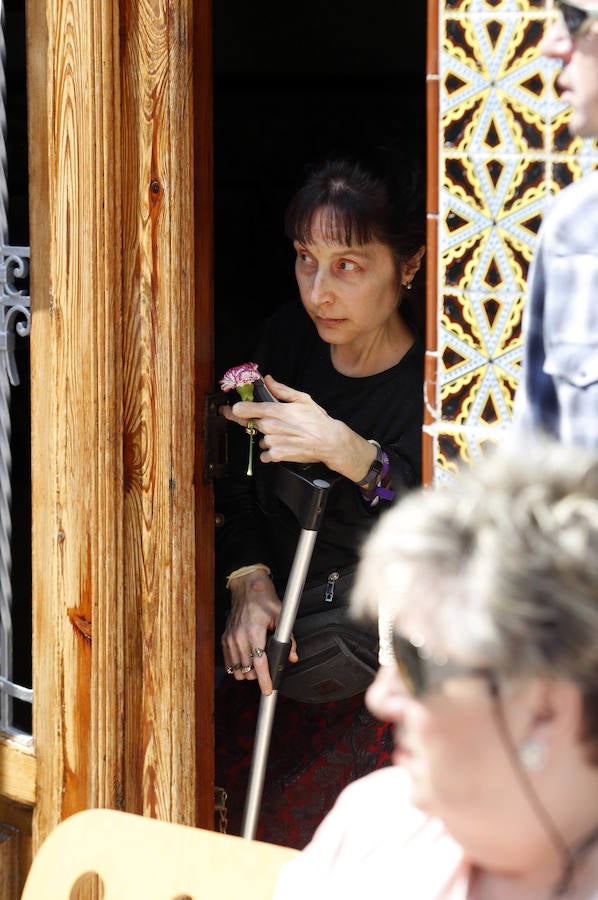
[299, 430]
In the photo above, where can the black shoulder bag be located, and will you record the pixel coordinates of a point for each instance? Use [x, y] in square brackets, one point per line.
[338, 656]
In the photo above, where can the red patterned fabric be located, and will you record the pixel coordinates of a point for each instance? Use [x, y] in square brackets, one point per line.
[316, 750]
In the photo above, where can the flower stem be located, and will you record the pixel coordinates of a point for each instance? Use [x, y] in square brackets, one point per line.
[251, 430]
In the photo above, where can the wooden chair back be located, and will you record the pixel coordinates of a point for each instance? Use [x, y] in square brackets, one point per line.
[139, 858]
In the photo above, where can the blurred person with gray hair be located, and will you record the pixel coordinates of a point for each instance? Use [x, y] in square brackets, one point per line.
[487, 592]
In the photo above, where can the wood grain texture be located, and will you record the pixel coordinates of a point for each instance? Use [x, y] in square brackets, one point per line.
[159, 406]
[76, 418]
[17, 771]
[10, 886]
[139, 858]
[15, 816]
[114, 411]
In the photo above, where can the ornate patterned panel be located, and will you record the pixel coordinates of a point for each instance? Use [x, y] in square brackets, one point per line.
[503, 151]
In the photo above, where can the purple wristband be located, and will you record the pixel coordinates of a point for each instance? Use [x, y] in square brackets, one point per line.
[382, 490]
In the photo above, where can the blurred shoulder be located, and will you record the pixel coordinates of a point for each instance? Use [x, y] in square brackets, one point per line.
[572, 219]
[386, 790]
[373, 812]
[372, 835]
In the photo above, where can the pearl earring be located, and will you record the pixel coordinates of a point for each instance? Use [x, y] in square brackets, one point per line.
[532, 754]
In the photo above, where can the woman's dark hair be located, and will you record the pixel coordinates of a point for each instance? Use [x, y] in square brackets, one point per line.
[361, 205]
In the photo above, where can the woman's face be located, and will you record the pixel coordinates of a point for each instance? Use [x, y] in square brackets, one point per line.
[348, 292]
[448, 741]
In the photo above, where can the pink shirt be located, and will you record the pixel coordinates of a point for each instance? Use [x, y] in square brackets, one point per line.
[374, 843]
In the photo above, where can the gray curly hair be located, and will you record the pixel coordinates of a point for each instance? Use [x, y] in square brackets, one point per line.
[502, 564]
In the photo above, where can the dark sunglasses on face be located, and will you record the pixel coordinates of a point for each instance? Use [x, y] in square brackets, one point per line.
[423, 673]
[577, 21]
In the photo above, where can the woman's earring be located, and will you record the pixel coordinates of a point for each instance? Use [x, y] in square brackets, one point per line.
[532, 754]
[409, 286]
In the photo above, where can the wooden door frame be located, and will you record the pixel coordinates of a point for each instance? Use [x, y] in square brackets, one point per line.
[105, 302]
[120, 138]
[431, 261]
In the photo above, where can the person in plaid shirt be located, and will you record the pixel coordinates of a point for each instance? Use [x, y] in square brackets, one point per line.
[559, 391]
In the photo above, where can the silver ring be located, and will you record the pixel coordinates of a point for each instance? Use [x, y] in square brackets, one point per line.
[258, 651]
[230, 670]
[246, 669]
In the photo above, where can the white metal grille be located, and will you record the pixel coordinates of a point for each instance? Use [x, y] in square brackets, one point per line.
[14, 320]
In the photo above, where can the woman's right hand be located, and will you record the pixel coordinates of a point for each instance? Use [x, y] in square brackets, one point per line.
[255, 609]
[299, 430]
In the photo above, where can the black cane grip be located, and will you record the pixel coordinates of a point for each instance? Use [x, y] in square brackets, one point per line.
[278, 654]
[261, 394]
[305, 498]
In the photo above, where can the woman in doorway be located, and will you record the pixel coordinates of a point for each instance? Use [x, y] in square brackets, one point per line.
[346, 370]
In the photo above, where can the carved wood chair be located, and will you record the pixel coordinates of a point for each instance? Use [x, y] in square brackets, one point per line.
[138, 857]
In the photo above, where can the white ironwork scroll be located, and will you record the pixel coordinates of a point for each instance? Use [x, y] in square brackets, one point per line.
[14, 320]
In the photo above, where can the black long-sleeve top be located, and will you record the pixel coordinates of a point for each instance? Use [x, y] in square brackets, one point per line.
[386, 407]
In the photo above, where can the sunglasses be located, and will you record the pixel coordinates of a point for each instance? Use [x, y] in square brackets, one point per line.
[577, 20]
[422, 673]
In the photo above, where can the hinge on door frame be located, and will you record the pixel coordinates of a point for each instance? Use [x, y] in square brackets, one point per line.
[215, 436]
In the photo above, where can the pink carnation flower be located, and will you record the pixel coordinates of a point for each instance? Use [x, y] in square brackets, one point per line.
[239, 376]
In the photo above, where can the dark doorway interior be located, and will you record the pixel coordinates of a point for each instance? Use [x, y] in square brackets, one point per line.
[291, 86]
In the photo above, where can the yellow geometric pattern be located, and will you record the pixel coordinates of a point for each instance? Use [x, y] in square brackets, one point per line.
[480, 359]
[504, 151]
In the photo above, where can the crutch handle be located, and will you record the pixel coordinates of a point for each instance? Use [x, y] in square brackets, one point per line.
[305, 498]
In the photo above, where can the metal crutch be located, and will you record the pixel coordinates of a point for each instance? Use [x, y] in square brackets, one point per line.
[306, 499]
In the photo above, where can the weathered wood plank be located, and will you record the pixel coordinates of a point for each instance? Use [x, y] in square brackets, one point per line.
[116, 427]
[9, 862]
[17, 770]
[19, 817]
[159, 403]
[76, 427]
